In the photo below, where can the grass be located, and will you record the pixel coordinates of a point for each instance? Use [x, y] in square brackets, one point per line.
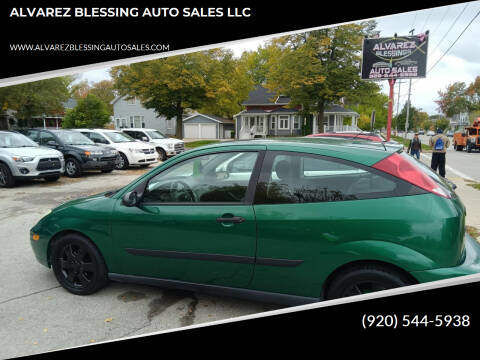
[473, 232]
[195, 144]
[475, 185]
[406, 142]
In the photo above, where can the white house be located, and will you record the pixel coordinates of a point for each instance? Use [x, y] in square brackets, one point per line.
[132, 114]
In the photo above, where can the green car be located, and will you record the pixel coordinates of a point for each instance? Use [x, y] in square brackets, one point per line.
[290, 222]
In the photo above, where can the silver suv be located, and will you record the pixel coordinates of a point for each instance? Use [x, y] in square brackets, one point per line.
[21, 158]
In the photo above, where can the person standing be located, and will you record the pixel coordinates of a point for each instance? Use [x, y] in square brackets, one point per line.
[439, 144]
[415, 146]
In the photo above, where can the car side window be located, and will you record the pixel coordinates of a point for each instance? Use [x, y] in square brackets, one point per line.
[33, 134]
[221, 177]
[135, 134]
[302, 178]
[97, 138]
[45, 137]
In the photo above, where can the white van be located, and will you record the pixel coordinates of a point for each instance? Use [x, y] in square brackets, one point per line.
[131, 152]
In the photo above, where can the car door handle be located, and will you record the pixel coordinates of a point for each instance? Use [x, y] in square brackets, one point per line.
[233, 219]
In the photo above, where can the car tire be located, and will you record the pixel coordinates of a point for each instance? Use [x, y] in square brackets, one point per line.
[6, 177]
[122, 163]
[72, 168]
[162, 154]
[365, 279]
[51, 178]
[78, 265]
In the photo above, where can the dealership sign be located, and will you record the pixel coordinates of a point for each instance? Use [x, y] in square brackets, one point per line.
[395, 57]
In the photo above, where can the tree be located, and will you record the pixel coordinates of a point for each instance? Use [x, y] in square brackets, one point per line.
[473, 94]
[90, 112]
[442, 123]
[36, 98]
[202, 80]
[229, 84]
[319, 67]
[454, 99]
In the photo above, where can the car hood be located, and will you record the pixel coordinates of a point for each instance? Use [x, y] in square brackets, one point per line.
[132, 145]
[32, 151]
[166, 141]
[91, 148]
[83, 200]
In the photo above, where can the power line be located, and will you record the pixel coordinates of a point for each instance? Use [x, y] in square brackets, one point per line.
[428, 17]
[448, 31]
[447, 9]
[459, 36]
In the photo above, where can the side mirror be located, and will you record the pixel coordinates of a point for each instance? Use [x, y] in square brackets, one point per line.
[52, 143]
[130, 199]
[144, 138]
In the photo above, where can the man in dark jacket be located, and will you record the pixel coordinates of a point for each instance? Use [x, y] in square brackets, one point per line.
[439, 144]
[415, 146]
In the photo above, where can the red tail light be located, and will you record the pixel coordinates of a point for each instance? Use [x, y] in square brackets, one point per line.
[403, 169]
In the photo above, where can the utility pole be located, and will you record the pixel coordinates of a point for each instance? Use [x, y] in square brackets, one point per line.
[408, 101]
[398, 105]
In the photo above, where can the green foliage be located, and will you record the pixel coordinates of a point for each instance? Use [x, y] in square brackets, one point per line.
[454, 99]
[442, 123]
[209, 80]
[90, 112]
[36, 98]
[318, 67]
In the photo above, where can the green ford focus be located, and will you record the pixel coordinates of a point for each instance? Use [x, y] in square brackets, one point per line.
[291, 222]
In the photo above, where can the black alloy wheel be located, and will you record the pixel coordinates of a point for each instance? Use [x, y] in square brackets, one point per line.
[78, 265]
[365, 279]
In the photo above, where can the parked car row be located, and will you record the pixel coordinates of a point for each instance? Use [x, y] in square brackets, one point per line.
[48, 153]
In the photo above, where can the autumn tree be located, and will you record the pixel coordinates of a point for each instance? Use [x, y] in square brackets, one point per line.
[90, 112]
[319, 67]
[454, 99]
[104, 90]
[36, 98]
[207, 80]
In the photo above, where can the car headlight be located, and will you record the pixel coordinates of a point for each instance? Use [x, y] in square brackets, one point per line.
[136, 150]
[170, 146]
[23, 158]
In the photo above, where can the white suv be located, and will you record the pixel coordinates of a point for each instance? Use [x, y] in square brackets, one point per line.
[165, 146]
[130, 151]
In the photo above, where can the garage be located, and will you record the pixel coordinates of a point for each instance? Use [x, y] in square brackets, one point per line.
[203, 126]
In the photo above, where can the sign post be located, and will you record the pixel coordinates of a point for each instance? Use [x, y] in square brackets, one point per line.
[398, 57]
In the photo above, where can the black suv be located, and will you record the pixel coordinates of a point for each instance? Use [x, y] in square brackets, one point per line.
[79, 151]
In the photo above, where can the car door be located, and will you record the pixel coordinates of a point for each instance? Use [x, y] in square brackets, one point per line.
[307, 206]
[195, 221]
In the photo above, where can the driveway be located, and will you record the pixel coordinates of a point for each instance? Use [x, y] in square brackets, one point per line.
[37, 315]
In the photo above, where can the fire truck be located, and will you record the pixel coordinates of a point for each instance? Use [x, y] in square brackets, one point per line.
[469, 138]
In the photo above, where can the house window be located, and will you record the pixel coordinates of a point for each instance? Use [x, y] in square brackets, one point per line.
[296, 122]
[118, 123]
[131, 101]
[272, 123]
[124, 123]
[283, 122]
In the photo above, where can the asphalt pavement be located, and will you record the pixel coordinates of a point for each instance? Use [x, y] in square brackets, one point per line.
[37, 315]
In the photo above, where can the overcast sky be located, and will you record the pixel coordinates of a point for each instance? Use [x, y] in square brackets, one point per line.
[446, 23]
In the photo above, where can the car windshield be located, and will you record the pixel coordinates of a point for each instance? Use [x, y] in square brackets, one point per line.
[73, 138]
[156, 134]
[13, 140]
[118, 137]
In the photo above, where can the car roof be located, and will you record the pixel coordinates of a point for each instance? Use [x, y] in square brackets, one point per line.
[364, 152]
[140, 129]
[99, 130]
